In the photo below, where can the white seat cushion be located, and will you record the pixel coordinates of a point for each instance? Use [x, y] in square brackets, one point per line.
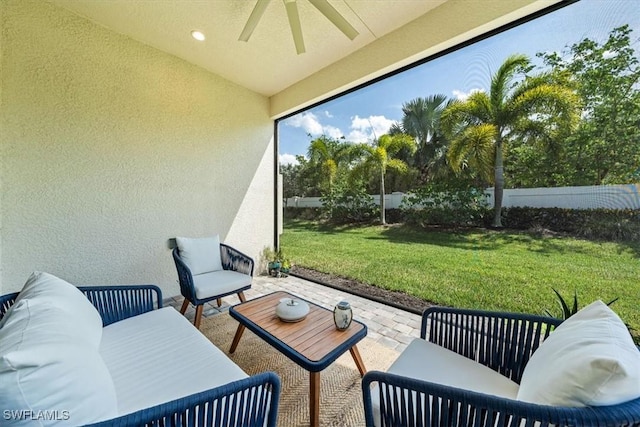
[201, 255]
[219, 283]
[159, 356]
[589, 360]
[429, 362]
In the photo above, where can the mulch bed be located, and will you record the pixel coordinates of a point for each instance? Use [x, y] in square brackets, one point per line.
[393, 298]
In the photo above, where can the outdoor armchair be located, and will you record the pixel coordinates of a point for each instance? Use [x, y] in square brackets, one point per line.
[500, 345]
[208, 270]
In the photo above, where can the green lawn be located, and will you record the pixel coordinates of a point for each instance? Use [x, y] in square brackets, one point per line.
[478, 269]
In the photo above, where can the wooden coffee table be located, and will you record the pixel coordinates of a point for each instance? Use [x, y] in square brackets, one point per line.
[313, 343]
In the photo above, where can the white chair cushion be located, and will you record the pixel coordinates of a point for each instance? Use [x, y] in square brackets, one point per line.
[426, 361]
[201, 255]
[219, 283]
[79, 318]
[589, 360]
[45, 367]
[159, 356]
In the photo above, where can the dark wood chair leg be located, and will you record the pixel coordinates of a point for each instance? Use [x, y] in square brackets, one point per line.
[241, 296]
[219, 300]
[185, 305]
[196, 320]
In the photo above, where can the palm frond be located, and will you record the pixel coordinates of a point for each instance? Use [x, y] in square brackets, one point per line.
[397, 165]
[474, 146]
[502, 80]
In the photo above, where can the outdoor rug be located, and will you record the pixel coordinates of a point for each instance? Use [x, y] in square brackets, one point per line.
[340, 389]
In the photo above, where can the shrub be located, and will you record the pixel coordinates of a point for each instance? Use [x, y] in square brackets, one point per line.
[606, 224]
[302, 213]
[445, 204]
[349, 203]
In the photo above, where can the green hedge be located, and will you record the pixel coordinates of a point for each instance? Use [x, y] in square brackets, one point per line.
[596, 224]
[606, 224]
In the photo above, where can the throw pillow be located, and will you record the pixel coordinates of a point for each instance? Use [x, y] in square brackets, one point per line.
[202, 255]
[80, 316]
[589, 360]
[45, 368]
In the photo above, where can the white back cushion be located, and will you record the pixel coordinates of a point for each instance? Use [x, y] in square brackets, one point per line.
[80, 316]
[589, 360]
[44, 366]
[202, 255]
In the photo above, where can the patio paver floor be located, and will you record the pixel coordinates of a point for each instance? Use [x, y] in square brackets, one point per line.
[387, 325]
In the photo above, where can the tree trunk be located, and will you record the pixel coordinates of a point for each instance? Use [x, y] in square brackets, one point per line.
[498, 188]
[383, 218]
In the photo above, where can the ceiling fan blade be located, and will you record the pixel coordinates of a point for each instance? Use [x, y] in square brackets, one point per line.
[294, 23]
[253, 20]
[334, 16]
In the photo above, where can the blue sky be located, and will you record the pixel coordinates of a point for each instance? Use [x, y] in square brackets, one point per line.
[371, 111]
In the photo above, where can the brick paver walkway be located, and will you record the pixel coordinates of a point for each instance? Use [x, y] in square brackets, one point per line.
[387, 325]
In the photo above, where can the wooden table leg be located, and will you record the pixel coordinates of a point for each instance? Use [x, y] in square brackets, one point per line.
[356, 358]
[314, 398]
[236, 338]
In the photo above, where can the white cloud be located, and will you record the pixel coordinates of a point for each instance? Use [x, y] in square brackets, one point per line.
[307, 121]
[310, 123]
[328, 114]
[332, 132]
[463, 96]
[365, 129]
[287, 159]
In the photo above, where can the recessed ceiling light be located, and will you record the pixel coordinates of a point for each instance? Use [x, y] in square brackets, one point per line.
[197, 35]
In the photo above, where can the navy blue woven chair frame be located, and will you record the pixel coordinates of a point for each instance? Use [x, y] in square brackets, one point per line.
[251, 402]
[502, 341]
[7, 301]
[113, 302]
[232, 259]
[116, 303]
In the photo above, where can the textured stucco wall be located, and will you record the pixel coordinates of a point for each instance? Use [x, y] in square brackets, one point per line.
[110, 148]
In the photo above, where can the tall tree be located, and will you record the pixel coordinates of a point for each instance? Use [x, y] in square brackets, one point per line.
[605, 149]
[328, 155]
[421, 120]
[379, 157]
[532, 108]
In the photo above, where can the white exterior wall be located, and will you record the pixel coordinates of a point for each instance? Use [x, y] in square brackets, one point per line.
[109, 148]
[586, 197]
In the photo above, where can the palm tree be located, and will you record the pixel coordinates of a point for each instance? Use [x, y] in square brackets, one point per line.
[421, 119]
[536, 108]
[380, 156]
[329, 154]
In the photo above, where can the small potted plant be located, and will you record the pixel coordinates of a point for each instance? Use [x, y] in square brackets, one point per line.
[285, 267]
[277, 264]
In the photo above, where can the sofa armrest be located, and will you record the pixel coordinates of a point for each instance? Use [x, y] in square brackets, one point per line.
[118, 302]
[410, 402]
[233, 259]
[250, 402]
[503, 342]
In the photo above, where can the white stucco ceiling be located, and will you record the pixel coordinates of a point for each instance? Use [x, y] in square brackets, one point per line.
[268, 62]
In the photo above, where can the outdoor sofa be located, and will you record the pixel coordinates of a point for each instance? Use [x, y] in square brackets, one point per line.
[478, 368]
[112, 355]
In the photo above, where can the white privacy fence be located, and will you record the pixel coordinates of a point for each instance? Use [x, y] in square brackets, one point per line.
[586, 197]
